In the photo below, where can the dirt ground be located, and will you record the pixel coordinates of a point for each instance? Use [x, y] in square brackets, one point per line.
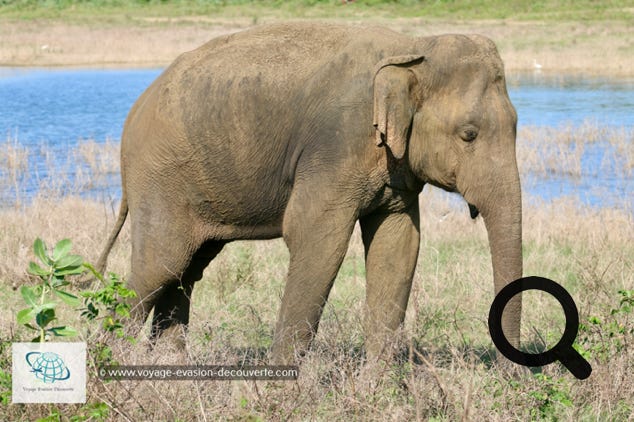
[605, 48]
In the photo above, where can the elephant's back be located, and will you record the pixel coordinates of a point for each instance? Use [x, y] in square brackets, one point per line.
[230, 119]
[281, 57]
[273, 50]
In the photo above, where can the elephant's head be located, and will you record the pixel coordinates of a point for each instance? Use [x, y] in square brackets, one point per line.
[446, 112]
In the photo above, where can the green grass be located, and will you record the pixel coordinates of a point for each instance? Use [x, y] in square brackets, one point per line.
[118, 10]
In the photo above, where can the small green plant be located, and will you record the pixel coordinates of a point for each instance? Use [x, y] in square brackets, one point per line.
[607, 335]
[98, 411]
[626, 304]
[5, 388]
[5, 375]
[553, 393]
[52, 271]
[107, 303]
[109, 300]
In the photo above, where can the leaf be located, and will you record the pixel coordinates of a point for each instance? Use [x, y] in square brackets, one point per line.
[60, 283]
[25, 316]
[39, 248]
[35, 269]
[122, 309]
[45, 317]
[46, 306]
[69, 271]
[63, 331]
[124, 292]
[594, 320]
[61, 249]
[69, 261]
[68, 298]
[110, 324]
[54, 282]
[86, 294]
[29, 296]
[90, 312]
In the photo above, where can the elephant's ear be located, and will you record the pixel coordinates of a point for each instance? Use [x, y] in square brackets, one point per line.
[393, 104]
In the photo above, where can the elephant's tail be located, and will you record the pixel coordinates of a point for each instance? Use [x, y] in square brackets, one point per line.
[123, 213]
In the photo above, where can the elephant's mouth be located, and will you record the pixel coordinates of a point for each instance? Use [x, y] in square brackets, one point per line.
[473, 211]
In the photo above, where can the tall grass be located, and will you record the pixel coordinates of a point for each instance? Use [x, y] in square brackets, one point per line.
[545, 150]
[43, 171]
[444, 368]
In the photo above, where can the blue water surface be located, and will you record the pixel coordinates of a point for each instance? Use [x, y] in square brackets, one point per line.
[61, 107]
[554, 100]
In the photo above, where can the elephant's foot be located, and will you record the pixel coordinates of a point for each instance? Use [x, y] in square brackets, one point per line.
[289, 348]
[509, 369]
[384, 345]
[175, 335]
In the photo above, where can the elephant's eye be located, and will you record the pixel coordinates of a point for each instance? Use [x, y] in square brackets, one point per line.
[469, 134]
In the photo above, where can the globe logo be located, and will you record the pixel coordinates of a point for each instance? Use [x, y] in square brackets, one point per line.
[48, 366]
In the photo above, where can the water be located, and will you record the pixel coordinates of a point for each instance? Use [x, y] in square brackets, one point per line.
[552, 100]
[575, 101]
[62, 108]
[51, 111]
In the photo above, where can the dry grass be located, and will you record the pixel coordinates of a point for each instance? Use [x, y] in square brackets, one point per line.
[14, 160]
[445, 375]
[603, 47]
[444, 371]
[101, 157]
[91, 168]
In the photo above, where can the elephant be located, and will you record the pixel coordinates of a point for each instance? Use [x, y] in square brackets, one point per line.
[299, 130]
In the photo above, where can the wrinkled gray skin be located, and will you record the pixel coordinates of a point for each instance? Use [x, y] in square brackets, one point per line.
[300, 130]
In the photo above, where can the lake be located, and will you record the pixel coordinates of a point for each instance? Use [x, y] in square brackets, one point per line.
[61, 108]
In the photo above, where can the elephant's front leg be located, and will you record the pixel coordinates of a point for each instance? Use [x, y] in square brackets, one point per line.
[391, 249]
[317, 237]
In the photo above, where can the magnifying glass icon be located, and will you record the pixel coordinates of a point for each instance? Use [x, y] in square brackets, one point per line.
[563, 350]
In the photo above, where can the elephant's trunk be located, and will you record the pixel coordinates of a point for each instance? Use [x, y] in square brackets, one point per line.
[502, 213]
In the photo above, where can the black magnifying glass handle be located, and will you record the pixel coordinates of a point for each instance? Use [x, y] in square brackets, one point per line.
[574, 362]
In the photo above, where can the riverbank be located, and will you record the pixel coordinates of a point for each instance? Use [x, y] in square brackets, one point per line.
[594, 47]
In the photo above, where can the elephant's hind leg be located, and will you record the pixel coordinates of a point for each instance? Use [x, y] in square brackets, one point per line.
[171, 307]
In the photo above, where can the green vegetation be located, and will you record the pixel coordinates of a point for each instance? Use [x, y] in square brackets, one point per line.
[454, 9]
[610, 334]
[53, 272]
